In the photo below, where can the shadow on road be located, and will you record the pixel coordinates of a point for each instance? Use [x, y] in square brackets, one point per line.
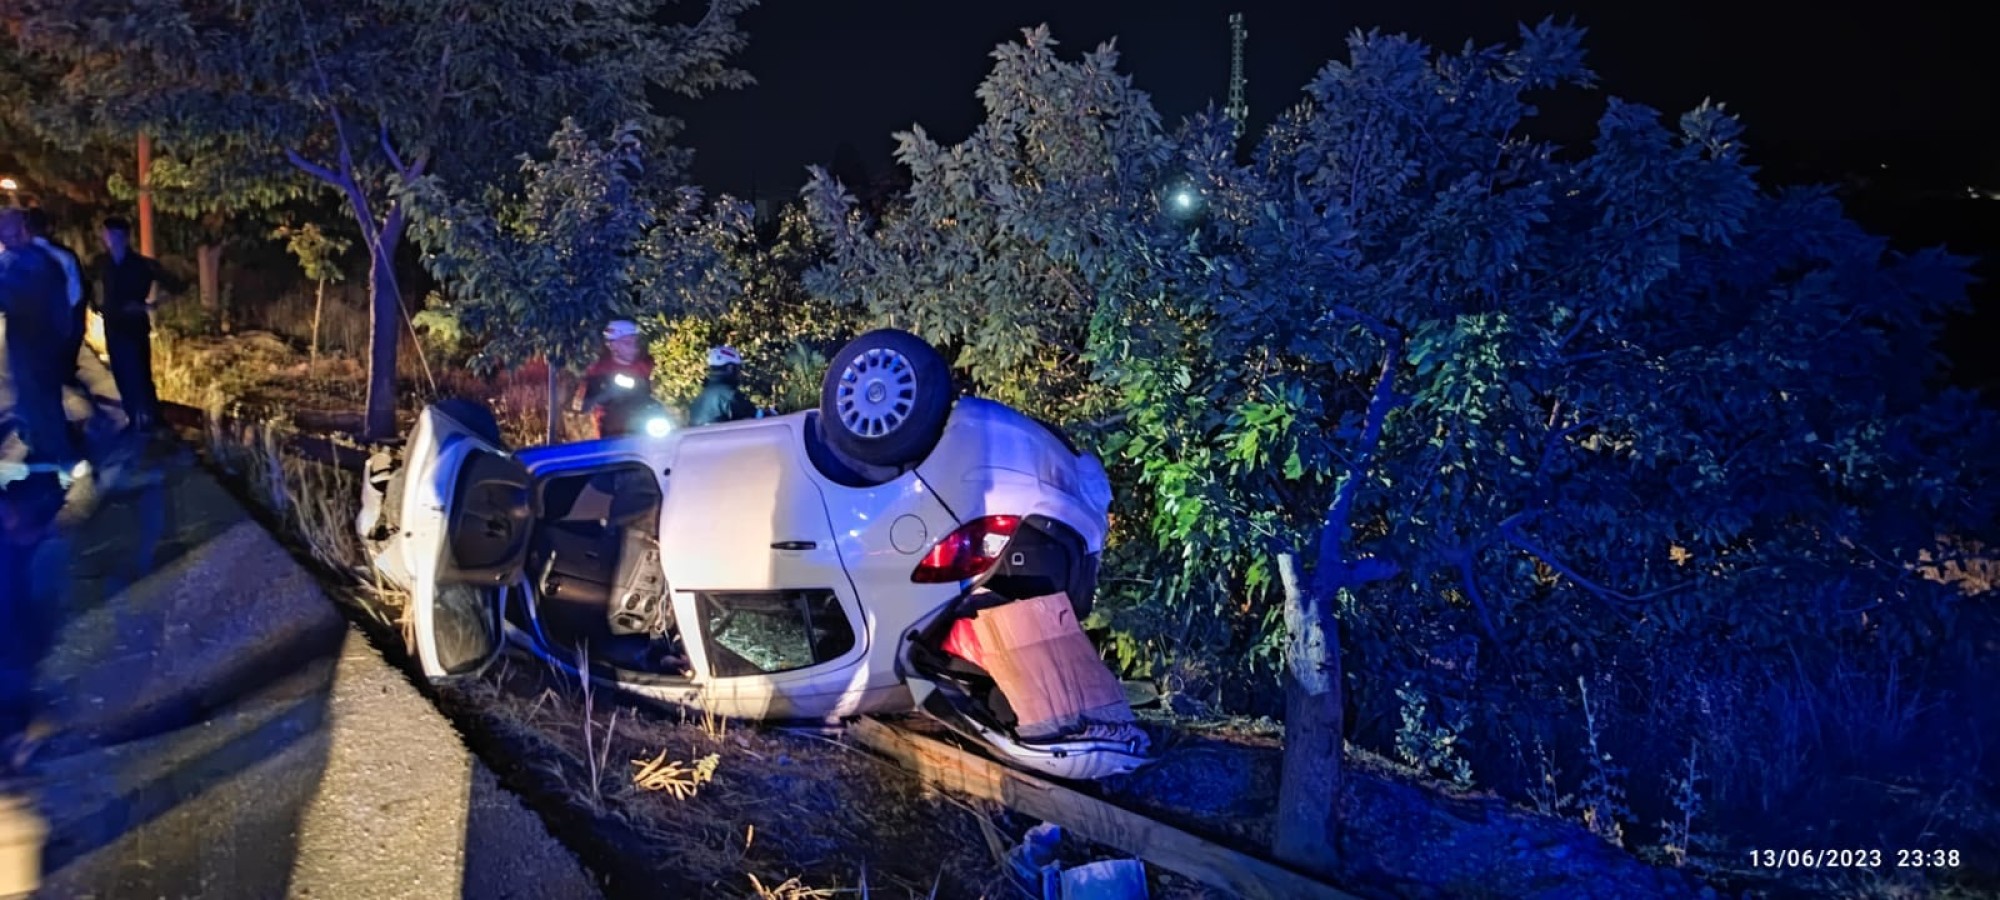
[221, 730]
[190, 688]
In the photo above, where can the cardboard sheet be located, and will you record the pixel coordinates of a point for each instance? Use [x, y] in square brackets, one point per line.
[1042, 661]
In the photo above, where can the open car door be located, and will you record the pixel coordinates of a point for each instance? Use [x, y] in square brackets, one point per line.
[467, 516]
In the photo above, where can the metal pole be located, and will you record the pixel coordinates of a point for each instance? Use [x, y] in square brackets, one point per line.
[146, 195]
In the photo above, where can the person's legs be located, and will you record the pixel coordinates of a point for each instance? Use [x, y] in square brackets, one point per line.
[131, 368]
[149, 404]
[38, 407]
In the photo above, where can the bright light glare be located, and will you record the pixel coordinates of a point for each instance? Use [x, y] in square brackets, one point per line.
[1184, 199]
[658, 426]
[9, 184]
[623, 380]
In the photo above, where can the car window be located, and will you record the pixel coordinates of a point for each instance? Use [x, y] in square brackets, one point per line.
[764, 632]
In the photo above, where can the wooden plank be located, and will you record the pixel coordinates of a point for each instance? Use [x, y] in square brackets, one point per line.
[1090, 818]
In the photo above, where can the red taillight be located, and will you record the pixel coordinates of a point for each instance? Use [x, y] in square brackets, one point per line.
[967, 552]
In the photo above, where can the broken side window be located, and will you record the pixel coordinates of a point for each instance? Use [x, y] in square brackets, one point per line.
[765, 632]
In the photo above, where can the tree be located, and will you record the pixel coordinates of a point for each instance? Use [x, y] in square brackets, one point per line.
[225, 190]
[538, 274]
[1476, 414]
[63, 170]
[1007, 238]
[784, 332]
[318, 254]
[363, 97]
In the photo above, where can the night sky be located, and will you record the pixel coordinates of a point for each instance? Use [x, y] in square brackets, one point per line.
[1846, 85]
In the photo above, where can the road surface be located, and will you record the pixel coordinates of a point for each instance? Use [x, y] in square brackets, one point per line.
[228, 734]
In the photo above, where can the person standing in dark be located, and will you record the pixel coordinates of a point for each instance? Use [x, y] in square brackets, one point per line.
[79, 286]
[34, 297]
[125, 293]
[720, 399]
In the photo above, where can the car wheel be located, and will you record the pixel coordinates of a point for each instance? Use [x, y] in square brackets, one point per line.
[885, 398]
[473, 415]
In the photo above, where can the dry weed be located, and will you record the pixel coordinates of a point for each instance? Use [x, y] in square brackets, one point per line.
[792, 889]
[675, 777]
[596, 752]
[713, 725]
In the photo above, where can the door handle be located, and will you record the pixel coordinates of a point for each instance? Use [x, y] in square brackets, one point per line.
[795, 545]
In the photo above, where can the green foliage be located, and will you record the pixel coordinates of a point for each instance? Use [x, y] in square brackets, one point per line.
[1603, 790]
[784, 332]
[456, 88]
[368, 96]
[536, 275]
[1427, 740]
[1538, 411]
[317, 251]
[61, 169]
[1007, 239]
[220, 183]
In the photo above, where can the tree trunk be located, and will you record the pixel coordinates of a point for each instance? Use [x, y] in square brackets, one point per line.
[1309, 789]
[385, 297]
[555, 401]
[385, 313]
[208, 260]
[1310, 780]
[319, 305]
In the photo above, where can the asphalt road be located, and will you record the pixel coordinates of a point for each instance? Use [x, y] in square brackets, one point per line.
[226, 733]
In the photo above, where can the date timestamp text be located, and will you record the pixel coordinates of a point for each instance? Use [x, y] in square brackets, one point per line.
[1853, 859]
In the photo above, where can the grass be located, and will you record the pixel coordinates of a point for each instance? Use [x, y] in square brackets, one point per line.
[749, 801]
[268, 375]
[312, 505]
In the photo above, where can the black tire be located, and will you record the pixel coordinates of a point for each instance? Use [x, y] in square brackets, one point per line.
[894, 373]
[475, 416]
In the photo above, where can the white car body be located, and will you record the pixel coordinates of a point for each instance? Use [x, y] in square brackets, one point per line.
[753, 525]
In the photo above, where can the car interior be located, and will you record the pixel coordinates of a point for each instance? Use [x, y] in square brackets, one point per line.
[594, 562]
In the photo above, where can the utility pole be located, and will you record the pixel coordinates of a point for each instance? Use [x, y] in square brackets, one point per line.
[146, 196]
[1238, 109]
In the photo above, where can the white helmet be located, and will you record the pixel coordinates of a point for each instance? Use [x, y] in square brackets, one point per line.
[620, 328]
[724, 356]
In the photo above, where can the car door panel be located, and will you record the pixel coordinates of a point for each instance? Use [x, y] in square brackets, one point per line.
[743, 526]
[466, 517]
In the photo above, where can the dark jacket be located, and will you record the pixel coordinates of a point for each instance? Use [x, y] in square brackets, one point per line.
[34, 295]
[72, 267]
[122, 289]
[720, 401]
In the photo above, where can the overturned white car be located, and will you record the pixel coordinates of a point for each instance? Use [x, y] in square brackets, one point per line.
[901, 547]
